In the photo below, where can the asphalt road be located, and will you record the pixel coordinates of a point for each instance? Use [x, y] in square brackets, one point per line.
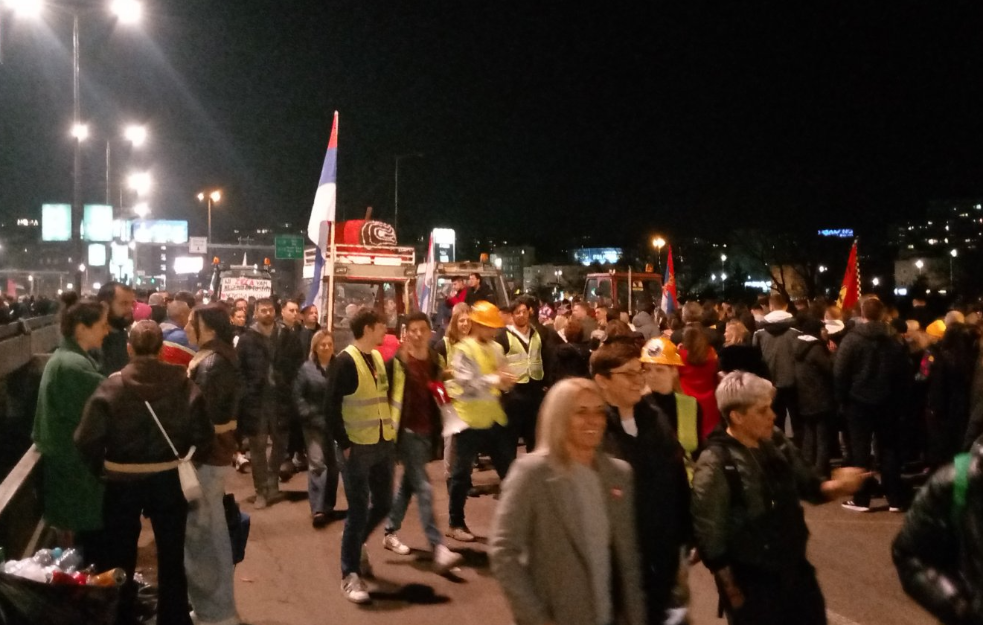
[291, 573]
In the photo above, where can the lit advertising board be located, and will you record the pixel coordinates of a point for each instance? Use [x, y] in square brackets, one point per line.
[161, 231]
[97, 255]
[97, 223]
[56, 222]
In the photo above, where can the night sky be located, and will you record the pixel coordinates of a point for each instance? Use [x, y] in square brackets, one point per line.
[537, 122]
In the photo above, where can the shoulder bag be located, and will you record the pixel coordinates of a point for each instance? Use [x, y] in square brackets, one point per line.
[190, 485]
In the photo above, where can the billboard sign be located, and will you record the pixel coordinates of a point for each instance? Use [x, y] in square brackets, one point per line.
[97, 255]
[161, 231]
[56, 222]
[97, 223]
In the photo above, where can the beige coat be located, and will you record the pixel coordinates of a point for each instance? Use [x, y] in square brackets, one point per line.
[537, 545]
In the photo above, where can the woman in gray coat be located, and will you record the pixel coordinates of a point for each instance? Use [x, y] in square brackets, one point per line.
[563, 546]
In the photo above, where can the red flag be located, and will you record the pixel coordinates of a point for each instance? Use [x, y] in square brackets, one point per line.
[850, 291]
[669, 301]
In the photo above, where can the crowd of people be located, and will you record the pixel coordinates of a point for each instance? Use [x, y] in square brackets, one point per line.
[652, 443]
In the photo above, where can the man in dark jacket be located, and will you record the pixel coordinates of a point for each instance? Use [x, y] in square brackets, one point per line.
[269, 358]
[640, 434]
[119, 298]
[118, 436]
[748, 523]
[869, 375]
[777, 341]
[939, 553]
[478, 291]
[814, 387]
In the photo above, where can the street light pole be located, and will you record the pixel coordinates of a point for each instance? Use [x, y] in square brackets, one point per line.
[77, 169]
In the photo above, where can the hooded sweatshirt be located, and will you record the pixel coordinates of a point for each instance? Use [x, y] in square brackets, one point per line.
[645, 325]
[776, 340]
[813, 376]
[870, 366]
[118, 426]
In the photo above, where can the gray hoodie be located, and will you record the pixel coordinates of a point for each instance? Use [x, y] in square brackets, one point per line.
[645, 325]
[777, 342]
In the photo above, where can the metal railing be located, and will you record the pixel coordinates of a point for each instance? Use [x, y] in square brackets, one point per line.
[21, 524]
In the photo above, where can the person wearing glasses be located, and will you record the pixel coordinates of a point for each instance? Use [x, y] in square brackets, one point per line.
[641, 434]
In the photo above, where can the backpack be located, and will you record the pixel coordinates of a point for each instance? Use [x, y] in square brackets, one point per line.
[960, 484]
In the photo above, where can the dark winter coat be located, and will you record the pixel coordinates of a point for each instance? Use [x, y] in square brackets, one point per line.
[743, 358]
[117, 425]
[777, 340]
[940, 559]
[763, 527]
[870, 366]
[113, 355]
[662, 495]
[215, 369]
[813, 376]
[571, 360]
[269, 365]
[310, 392]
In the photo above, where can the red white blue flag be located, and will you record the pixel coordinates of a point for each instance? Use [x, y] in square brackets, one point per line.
[323, 211]
[669, 301]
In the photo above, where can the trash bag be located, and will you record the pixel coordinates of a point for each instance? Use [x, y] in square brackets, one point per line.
[238, 522]
[23, 601]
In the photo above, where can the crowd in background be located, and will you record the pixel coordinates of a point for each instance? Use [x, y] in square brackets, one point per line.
[676, 421]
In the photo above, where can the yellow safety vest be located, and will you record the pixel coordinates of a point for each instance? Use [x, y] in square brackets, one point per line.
[445, 360]
[525, 365]
[686, 429]
[484, 409]
[396, 394]
[366, 411]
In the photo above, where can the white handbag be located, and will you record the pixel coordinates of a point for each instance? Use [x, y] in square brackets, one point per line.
[190, 485]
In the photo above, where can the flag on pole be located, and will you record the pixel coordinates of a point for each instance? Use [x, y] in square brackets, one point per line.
[669, 301]
[323, 212]
[425, 286]
[850, 291]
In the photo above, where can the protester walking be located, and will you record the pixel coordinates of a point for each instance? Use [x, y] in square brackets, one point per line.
[564, 546]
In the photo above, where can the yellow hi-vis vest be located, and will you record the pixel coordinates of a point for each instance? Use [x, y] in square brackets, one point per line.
[445, 361]
[525, 365]
[686, 430]
[483, 409]
[366, 411]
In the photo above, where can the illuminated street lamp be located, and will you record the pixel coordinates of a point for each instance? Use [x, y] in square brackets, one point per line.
[658, 243]
[136, 135]
[140, 182]
[141, 209]
[876, 281]
[25, 8]
[80, 131]
[127, 11]
[920, 265]
[213, 197]
[952, 256]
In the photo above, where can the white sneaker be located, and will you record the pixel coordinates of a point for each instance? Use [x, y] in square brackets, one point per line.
[853, 507]
[394, 544]
[240, 462]
[444, 559]
[364, 564]
[354, 589]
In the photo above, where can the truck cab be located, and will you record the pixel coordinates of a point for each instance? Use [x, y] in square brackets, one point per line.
[630, 291]
[438, 285]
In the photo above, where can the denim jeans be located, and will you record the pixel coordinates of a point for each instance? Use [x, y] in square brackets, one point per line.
[368, 473]
[322, 468]
[496, 442]
[414, 452]
[208, 552]
[266, 473]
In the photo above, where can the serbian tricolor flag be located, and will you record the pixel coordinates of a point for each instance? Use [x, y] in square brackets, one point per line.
[850, 291]
[424, 287]
[669, 302]
[323, 211]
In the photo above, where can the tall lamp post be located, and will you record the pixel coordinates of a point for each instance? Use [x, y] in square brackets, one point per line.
[136, 136]
[658, 243]
[212, 197]
[396, 186]
[127, 12]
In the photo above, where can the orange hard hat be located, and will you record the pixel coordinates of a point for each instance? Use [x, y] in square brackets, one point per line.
[661, 351]
[936, 329]
[486, 314]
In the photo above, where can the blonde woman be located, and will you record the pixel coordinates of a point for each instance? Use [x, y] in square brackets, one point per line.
[567, 482]
[457, 330]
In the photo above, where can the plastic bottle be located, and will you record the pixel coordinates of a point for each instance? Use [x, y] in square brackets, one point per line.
[70, 559]
[44, 557]
[112, 577]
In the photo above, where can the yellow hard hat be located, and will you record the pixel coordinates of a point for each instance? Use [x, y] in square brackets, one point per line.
[661, 351]
[486, 314]
[936, 329]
